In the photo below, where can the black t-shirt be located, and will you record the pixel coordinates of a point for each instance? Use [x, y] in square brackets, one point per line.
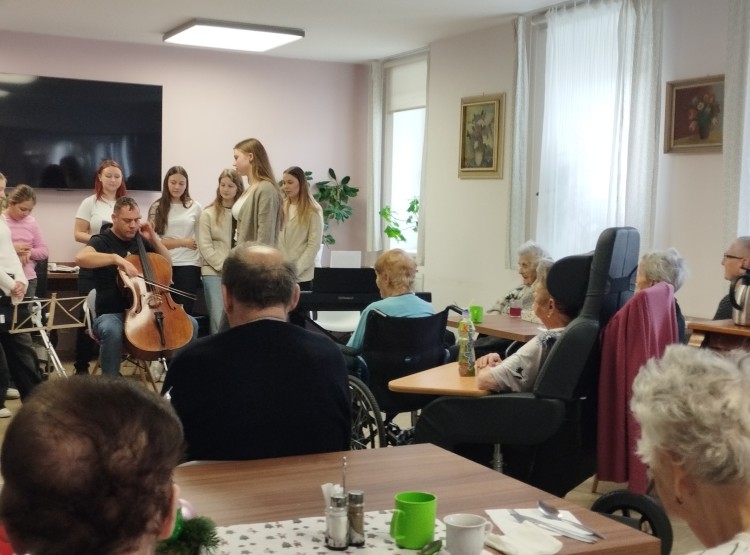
[110, 297]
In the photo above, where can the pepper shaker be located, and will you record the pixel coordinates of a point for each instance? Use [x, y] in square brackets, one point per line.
[337, 524]
[356, 518]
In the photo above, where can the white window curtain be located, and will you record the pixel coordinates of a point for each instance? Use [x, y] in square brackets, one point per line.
[374, 160]
[737, 124]
[598, 122]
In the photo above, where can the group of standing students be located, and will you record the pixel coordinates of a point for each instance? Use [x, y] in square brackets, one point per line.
[199, 239]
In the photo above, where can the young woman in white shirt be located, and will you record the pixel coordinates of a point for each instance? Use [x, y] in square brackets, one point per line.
[303, 226]
[175, 218]
[215, 239]
[94, 211]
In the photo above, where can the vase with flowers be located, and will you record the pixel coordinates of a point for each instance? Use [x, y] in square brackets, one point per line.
[703, 114]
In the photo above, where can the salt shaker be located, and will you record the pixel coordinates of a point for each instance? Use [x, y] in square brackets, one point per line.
[356, 518]
[337, 524]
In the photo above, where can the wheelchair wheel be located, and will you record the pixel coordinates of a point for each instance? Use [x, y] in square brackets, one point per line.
[368, 430]
[641, 512]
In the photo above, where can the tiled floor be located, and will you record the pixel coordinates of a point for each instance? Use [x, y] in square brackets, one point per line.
[684, 540]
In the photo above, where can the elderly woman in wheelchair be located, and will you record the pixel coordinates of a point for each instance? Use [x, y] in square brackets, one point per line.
[395, 273]
[518, 372]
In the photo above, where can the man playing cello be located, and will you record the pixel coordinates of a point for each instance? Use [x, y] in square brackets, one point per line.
[106, 254]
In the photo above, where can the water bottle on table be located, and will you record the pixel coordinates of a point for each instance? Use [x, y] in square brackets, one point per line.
[466, 357]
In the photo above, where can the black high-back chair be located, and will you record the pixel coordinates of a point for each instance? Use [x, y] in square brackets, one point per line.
[396, 347]
[550, 432]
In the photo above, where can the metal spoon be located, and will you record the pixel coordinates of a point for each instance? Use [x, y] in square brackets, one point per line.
[551, 512]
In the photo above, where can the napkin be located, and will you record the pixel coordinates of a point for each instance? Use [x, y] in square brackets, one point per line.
[525, 539]
[505, 521]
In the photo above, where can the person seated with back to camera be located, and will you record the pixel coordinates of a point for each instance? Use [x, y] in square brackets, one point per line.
[518, 372]
[693, 408]
[106, 253]
[264, 387]
[395, 273]
[87, 466]
[664, 266]
[529, 256]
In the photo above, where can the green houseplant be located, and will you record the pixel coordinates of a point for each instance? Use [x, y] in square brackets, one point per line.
[333, 196]
[396, 225]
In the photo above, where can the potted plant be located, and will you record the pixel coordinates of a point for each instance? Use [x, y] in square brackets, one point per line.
[333, 196]
[396, 225]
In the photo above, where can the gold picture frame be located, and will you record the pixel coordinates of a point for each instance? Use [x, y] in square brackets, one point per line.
[482, 132]
[694, 115]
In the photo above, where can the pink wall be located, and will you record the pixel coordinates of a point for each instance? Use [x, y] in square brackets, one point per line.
[310, 114]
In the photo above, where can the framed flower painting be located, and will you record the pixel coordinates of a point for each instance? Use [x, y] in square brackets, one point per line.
[694, 119]
[482, 132]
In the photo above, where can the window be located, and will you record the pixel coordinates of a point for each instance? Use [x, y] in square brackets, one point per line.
[593, 123]
[405, 102]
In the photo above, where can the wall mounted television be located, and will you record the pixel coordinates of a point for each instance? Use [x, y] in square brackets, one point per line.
[55, 132]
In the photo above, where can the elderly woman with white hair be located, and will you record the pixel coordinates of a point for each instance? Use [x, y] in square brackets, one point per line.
[530, 254]
[693, 407]
[664, 266]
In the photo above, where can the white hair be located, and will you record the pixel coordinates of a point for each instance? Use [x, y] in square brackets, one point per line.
[666, 266]
[695, 404]
[533, 251]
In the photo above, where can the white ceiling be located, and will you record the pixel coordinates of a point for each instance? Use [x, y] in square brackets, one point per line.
[336, 30]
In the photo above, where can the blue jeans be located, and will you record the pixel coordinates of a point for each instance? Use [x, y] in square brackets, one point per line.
[109, 329]
[214, 302]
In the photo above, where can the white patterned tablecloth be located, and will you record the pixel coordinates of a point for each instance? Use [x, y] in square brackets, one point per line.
[303, 536]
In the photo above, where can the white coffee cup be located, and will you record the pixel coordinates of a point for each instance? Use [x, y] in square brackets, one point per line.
[465, 533]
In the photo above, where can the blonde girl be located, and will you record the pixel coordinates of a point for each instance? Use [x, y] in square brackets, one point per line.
[216, 229]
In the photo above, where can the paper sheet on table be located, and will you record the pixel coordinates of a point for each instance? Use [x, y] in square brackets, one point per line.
[526, 539]
[505, 521]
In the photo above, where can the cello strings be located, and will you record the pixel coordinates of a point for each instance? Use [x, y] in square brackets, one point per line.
[167, 288]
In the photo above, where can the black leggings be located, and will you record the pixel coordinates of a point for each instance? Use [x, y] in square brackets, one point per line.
[187, 279]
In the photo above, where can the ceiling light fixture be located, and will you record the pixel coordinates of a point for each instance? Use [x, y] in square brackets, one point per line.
[247, 37]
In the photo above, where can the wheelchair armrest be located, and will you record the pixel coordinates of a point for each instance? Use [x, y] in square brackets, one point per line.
[350, 351]
[506, 418]
[455, 308]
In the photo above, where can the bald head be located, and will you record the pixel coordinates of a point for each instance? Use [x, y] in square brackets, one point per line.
[736, 258]
[258, 277]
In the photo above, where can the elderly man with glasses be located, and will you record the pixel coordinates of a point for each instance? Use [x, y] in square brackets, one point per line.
[736, 261]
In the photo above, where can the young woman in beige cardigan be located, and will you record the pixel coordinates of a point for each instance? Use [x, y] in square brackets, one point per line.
[258, 211]
[303, 226]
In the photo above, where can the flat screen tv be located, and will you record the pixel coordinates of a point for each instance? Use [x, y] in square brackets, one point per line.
[55, 132]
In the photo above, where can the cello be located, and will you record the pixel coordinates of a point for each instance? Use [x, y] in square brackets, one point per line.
[154, 325]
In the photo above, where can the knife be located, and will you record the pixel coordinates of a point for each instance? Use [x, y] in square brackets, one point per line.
[551, 526]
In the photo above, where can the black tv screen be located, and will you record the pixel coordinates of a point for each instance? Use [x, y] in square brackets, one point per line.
[55, 132]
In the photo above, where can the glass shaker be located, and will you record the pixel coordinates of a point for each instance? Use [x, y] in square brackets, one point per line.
[337, 524]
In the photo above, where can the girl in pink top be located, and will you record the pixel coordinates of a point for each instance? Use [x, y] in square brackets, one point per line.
[25, 233]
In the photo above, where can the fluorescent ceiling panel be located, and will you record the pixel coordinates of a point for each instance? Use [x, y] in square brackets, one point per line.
[232, 36]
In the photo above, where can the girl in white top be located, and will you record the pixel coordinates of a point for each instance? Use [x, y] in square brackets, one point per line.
[258, 211]
[109, 185]
[175, 218]
[215, 238]
[303, 226]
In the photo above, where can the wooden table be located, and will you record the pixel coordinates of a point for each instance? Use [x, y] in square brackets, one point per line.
[279, 489]
[442, 380]
[722, 335]
[502, 325]
[61, 282]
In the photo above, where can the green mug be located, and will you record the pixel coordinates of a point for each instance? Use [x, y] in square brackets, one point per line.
[476, 313]
[413, 522]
